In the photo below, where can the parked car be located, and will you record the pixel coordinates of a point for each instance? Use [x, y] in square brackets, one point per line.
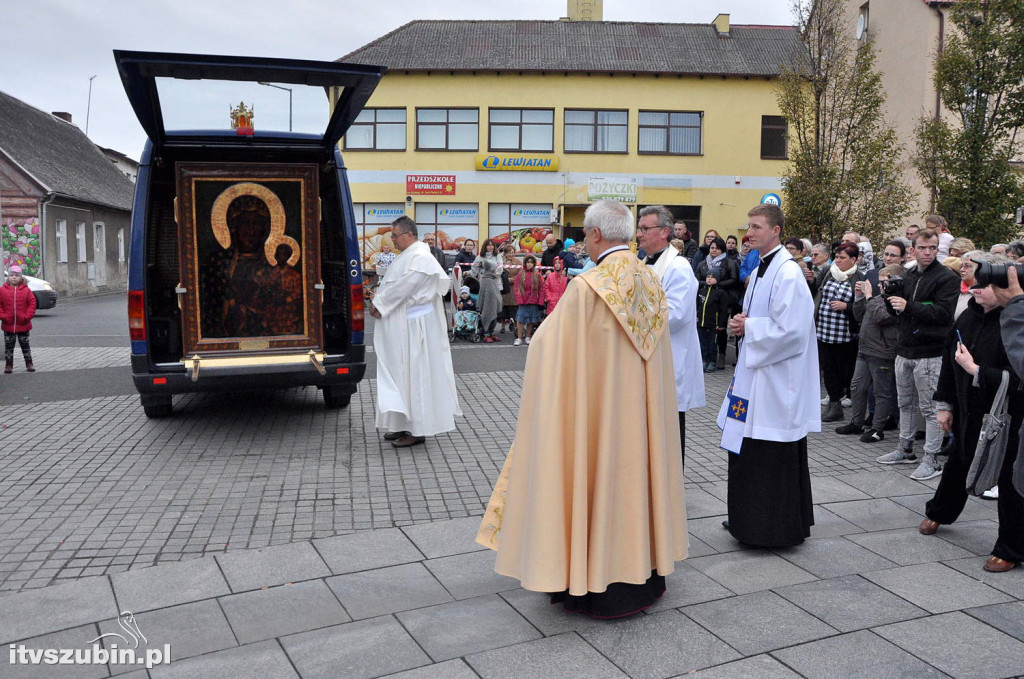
[46, 296]
[244, 267]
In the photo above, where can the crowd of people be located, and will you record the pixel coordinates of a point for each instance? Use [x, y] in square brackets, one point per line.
[594, 515]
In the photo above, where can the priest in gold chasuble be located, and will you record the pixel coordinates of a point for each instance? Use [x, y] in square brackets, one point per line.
[589, 506]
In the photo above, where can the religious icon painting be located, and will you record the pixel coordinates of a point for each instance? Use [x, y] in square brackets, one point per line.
[250, 260]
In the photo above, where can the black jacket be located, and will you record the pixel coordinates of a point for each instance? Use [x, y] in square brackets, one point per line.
[712, 307]
[877, 327]
[931, 300]
[728, 278]
[690, 250]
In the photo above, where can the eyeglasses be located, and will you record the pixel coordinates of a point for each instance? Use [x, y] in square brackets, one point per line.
[645, 229]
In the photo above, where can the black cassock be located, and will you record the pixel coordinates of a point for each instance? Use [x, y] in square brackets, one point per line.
[770, 493]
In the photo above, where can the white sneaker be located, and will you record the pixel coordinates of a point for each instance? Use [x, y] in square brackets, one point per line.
[527, 340]
[928, 469]
[846, 403]
[517, 343]
[824, 401]
[992, 493]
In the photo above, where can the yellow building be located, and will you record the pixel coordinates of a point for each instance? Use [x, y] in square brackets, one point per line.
[507, 128]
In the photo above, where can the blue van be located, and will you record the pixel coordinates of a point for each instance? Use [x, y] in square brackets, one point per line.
[244, 265]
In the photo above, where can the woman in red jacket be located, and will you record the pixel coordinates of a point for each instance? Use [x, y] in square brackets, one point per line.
[17, 307]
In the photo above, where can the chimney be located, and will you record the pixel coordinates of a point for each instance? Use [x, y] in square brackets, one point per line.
[586, 10]
[63, 115]
[721, 24]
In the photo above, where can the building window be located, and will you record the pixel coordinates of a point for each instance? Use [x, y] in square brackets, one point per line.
[514, 129]
[774, 132]
[447, 129]
[120, 245]
[377, 129]
[595, 131]
[670, 132]
[62, 241]
[521, 225]
[83, 256]
[452, 223]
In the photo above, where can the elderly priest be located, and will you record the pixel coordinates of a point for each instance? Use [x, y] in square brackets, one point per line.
[589, 506]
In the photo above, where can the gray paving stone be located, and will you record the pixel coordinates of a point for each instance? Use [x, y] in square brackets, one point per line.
[445, 538]
[660, 645]
[958, 645]
[876, 514]
[750, 571]
[58, 607]
[700, 503]
[758, 622]
[698, 547]
[279, 611]
[685, 586]
[75, 638]
[450, 669]
[1008, 618]
[907, 546]
[832, 557]
[469, 626]
[549, 619]
[936, 588]
[755, 667]
[710, 531]
[826, 489]
[859, 655]
[564, 656]
[364, 648]
[1012, 582]
[265, 659]
[887, 483]
[827, 524]
[189, 629]
[977, 537]
[255, 568]
[367, 594]
[469, 575]
[850, 603]
[145, 589]
[367, 549]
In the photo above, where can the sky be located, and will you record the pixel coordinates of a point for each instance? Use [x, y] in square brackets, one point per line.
[63, 43]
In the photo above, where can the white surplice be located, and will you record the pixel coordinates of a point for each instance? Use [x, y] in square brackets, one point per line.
[415, 380]
[680, 286]
[775, 391]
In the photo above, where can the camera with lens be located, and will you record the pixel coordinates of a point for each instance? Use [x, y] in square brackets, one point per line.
[987, 273]
[892, 287]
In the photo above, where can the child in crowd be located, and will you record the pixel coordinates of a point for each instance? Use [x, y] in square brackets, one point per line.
[712, 317]
[554, 285]
[17, 307]
[465, 314]
[528, 288]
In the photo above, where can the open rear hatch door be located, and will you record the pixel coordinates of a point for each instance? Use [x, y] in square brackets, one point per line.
[188, 97]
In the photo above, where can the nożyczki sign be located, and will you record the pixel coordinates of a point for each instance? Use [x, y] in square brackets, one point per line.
[607, 188]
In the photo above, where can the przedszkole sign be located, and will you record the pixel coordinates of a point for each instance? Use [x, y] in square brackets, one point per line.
[430, 184]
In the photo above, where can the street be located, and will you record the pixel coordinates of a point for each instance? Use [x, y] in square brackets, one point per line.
[264, 534]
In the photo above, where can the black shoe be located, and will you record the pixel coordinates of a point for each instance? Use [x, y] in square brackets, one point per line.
[394, 435]
[872, 436]
[852, 428]
[891, 424]
[725, 524]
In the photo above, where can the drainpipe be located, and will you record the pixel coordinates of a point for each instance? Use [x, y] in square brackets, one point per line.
[50, 197]
[938, 94]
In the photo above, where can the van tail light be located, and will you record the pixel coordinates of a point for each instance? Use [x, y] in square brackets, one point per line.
[137, 315]
[358, 307]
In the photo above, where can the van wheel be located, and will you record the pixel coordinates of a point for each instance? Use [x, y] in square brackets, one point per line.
[158, 411]
[335, 398]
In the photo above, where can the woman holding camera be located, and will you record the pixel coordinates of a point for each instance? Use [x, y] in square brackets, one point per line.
[973, 363]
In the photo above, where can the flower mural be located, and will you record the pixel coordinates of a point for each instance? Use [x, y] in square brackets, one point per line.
[21, 244]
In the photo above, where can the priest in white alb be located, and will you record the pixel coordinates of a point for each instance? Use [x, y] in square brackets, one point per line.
[416, 394]
[654, 229]
[772, 402]
[589, 506]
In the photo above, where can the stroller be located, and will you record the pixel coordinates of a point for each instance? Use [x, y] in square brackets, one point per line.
[465, 323]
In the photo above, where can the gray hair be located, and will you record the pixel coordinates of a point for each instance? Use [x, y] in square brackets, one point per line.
[973, 255]
[613, 218]
[1016, 247]
[665, 218]
[807, 244]
[820, 247]
[406, 225]
[979, 256]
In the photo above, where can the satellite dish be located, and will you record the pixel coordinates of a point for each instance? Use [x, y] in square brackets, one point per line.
[860, 26]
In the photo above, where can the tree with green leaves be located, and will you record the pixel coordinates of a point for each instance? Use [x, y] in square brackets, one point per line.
[845, 172]
[966, 157]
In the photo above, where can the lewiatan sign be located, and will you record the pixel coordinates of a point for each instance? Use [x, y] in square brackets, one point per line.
[517, 162]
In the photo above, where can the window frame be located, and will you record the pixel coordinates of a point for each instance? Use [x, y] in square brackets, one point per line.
[61, 235]
[668, 129]
[519, 127]
[784, 127]
[597, 126]
[81, 243]
[373, 148]
[445, 125]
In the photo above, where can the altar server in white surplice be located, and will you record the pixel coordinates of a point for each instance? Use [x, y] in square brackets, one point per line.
[654, 229]
[416, 394]
[772, 402]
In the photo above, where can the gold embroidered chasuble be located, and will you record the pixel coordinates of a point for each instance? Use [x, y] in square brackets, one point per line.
[591, 492]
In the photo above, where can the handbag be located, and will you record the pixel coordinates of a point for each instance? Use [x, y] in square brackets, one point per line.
[991, 449]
